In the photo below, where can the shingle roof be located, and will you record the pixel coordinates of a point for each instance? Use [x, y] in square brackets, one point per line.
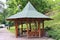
[28, 12]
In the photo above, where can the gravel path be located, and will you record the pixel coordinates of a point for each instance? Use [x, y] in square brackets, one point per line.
[6, 35]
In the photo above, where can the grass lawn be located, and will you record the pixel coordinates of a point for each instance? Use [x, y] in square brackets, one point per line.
[12, 29]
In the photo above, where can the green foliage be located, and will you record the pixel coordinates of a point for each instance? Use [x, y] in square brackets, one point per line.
[55, 25]
[55, 33]
[12, 29]
[41, 5]
[48, 28]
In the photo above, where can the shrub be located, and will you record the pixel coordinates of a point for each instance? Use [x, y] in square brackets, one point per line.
[48, 28]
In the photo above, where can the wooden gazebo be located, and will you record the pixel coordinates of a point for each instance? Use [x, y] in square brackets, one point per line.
[27, 16]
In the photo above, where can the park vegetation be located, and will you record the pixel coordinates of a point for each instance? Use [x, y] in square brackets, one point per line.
[50, 7]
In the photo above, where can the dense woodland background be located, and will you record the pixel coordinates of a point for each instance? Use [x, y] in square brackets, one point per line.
[48, 7]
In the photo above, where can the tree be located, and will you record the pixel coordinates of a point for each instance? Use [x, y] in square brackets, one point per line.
[1, 11]
[1, 6]
[42, 6]
[4, 13]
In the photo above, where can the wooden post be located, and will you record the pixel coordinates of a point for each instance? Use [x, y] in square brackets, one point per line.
[35, 25]
[43, 28]
[27, 28]
[39, 28]
[21, 29]
[30, 26]
[16, 28]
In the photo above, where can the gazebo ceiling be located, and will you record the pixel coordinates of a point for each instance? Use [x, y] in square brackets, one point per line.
[29, 12]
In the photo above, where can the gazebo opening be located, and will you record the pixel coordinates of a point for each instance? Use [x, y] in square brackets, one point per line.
[32, 28]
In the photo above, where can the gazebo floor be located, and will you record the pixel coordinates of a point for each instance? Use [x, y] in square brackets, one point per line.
[6, 35]
[43, 38]
[33, 38]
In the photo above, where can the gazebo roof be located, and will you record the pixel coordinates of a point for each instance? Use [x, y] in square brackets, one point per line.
[28, 12]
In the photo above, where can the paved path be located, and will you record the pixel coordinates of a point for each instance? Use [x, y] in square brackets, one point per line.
[6, 35]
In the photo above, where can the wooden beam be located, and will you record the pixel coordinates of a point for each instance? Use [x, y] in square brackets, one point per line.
[16, 28]
[43, 28]
[39, 28]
